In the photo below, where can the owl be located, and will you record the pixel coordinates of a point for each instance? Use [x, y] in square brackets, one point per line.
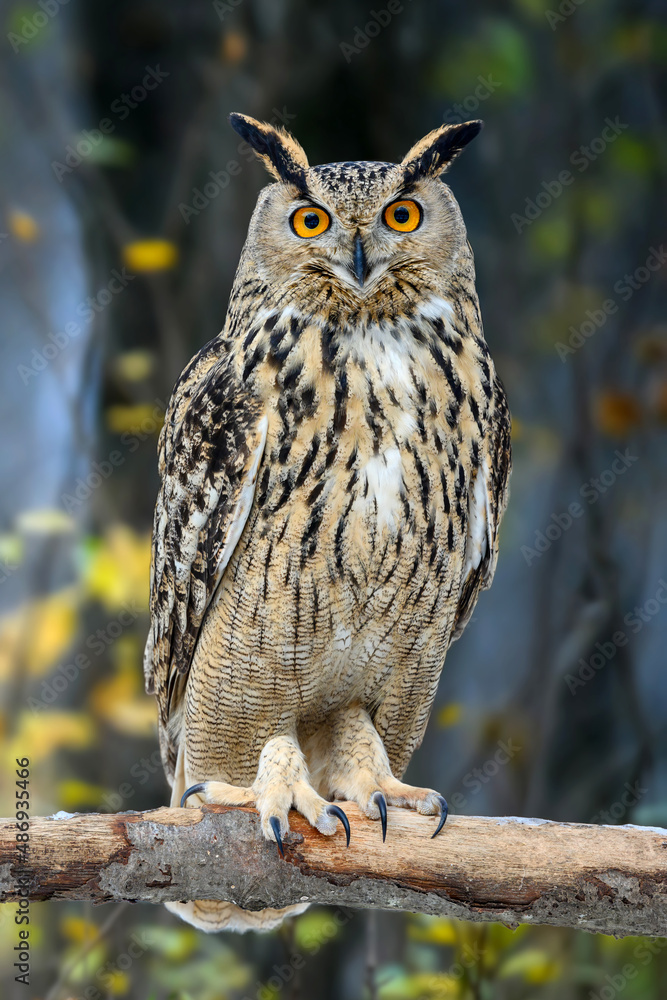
[334, 468]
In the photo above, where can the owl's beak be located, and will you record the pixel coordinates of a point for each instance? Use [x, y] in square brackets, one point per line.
[360, 265]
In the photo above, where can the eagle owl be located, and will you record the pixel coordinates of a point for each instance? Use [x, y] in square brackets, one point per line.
[334, 469]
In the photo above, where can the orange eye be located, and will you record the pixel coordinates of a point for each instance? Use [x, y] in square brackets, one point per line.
[403, 216]
[310, 221]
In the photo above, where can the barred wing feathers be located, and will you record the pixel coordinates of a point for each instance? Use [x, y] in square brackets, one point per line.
[486, 504]
[210, 450]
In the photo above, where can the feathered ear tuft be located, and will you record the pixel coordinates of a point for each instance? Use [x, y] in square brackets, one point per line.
[432, 155]
[280, 153]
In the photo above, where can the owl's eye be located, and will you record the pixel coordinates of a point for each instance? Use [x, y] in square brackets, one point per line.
[310, 221]
[403, 216]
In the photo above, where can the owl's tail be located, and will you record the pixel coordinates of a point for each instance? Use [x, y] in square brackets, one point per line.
[213, 915]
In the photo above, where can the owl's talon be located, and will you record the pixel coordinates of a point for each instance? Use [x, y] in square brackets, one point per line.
[334, 810]
[275, 826]
[444, 812]
[192, 790]
[379, 800]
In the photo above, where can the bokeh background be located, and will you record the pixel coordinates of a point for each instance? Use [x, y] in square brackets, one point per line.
[124, 202]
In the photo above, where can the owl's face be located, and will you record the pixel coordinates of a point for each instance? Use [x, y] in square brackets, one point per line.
[349, 235]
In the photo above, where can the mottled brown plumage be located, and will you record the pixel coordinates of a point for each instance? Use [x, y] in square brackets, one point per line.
[334, 469]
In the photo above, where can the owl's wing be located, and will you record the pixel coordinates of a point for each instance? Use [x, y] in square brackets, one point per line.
[487, 500]
[210, 449]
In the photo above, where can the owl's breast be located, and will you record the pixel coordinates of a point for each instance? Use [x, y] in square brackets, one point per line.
[381, 496]
[371, 449]
[352, 557]
[354, 569]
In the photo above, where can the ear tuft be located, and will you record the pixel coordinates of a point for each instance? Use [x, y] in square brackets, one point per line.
[432, 155]
[280, 153]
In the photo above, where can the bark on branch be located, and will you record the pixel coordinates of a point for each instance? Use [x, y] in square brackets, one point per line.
[611, 879]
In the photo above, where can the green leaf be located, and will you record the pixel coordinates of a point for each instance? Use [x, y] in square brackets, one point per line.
[497, 53]
[633, 155]
[315, 928]
[109, 152]
[533, 965]
[551, 237]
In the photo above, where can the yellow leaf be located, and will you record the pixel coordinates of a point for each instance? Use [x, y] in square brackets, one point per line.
[121, 700]
[37, 634]
[40, 735]
[117, 982]
[450, 715]
[502, 937]
[119, 569]
[173, 943]
[518, 429]
[421, 986]
[634, 40]
[533, 965]
[617, 413]
[234, 47]
[134, 366]
[78, 930]
[150, 255]
[23, 226]
[140, 418]
[315, 928]
[433, 930]
[74, 794]
[44, 521]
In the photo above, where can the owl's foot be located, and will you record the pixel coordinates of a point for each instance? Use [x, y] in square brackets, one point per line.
[282, 783]
[354, 765]
[220, 793]
[373, 794]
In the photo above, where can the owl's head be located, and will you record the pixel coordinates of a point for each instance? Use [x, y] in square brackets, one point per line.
[348, 235]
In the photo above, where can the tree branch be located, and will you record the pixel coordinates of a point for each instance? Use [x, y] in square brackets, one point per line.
[611, 879]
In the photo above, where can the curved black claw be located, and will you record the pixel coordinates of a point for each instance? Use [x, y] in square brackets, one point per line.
[192, 790]
[275, 826]
[381, 803]
[444, 812]
[334, 810]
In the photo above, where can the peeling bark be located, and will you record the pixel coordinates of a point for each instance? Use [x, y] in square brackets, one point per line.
[611, 879]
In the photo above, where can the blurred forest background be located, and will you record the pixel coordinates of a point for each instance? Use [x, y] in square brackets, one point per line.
[124, 204]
